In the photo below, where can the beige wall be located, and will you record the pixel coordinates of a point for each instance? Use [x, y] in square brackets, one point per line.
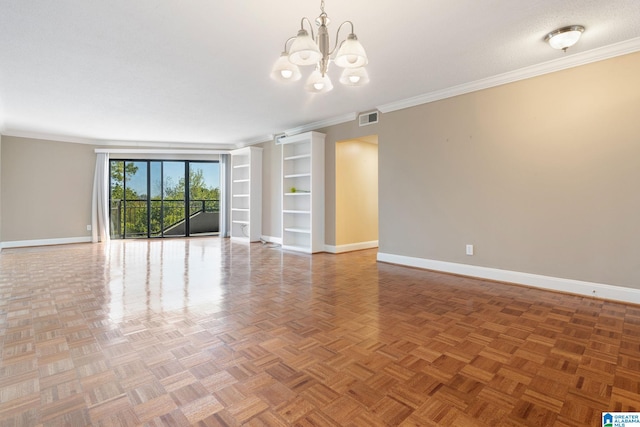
[271, 192]
[541, 176]
[46, 189]
[356, 191]
[0, 192]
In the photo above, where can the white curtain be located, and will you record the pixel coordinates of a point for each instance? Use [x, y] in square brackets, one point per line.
[225, 180]
[100, 200]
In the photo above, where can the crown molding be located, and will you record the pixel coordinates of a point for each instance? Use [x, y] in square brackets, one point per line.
[167, 145]
[112, 143]
[159, 151]
[49, 137]
[576, 60]
[321, 124]
[254, 141]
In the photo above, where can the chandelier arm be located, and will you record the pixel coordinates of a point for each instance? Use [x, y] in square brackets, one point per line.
[336, 46]
[285, 44]
[310, 27]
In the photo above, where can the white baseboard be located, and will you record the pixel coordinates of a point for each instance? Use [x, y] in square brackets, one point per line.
[270, 239]
[578, 287]
[239, 239]
[45, 242]
[351, 247]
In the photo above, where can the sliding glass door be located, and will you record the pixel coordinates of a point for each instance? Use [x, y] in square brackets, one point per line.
[204, 197]
[155, 198]
[174, 201]
[129, 201]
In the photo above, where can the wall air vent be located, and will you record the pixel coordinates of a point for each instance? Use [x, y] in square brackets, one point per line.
[368, 118]
[278, 138]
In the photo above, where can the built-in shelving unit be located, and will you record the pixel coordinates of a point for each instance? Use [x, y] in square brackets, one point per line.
[246, 194]
[303, 192]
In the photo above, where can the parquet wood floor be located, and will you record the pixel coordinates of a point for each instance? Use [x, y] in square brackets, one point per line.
[212, 333]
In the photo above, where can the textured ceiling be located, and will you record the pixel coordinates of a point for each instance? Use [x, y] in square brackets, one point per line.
[198, 71]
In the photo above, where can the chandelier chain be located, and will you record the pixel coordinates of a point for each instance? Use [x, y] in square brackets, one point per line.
[322, 6]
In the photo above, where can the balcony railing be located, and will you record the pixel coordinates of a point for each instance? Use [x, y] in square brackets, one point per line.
[130, 217]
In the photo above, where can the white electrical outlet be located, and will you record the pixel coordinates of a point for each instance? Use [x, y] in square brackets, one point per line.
[89, 227]
[469, 249]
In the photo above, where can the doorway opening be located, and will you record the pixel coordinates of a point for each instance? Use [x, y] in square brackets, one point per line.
[357, 194]
[164, 198]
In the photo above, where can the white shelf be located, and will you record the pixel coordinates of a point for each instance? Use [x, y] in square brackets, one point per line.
[291, 211]
[246, 194]
[301, 156]
[303, 210]
[298, 230]
[298, 175]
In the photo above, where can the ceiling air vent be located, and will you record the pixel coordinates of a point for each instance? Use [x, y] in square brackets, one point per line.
[368, 118]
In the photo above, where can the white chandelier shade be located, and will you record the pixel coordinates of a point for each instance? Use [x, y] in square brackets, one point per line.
[284, 70]
[354, 76]
[307, 48]
[351, 54]
[304, 50]
[318, 83]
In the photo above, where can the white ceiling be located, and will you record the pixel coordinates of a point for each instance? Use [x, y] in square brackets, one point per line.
[197, 72]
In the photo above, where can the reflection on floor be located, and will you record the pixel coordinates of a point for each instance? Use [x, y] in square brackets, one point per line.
[207, 332]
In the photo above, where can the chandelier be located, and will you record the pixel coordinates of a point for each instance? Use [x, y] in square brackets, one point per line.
[305, 49]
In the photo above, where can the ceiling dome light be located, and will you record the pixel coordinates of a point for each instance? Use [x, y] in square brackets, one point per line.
[564, 38]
